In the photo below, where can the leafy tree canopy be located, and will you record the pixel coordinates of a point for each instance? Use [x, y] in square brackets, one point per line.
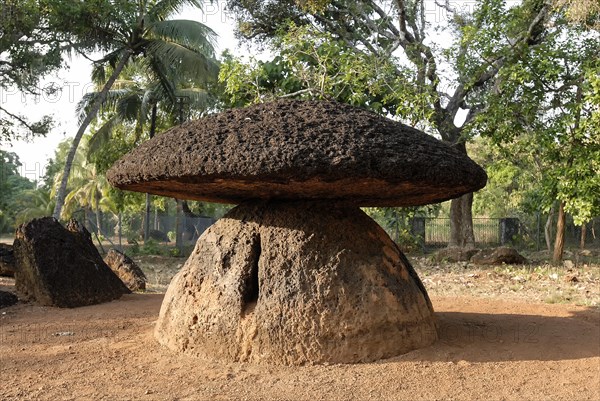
[11, 186]
[34, 37]
[546, 107]
[315, 65]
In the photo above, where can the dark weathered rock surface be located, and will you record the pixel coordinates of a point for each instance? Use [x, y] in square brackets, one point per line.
[61, 267]
[295, 283]
[7, 260]
[455, 254]
[127, 270]
[498, 256]
[7, 299]
[298, 150]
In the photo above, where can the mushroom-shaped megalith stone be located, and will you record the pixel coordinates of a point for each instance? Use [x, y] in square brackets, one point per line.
[294, 150]
[297, 273]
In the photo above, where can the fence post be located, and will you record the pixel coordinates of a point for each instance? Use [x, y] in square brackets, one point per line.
[417, 230]
[509, 228]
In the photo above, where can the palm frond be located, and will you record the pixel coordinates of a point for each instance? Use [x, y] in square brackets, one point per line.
[165, 87]
[128, 106]
[101, 137]
[176, 57]
[191, 34]
[166, 8]
[150, 98]
[99, 67]
[125, 84]
[81, 110]
[113, 98]
[98, 73]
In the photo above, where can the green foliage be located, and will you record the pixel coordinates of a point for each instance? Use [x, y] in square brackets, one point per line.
[167, 47]
[209, 209]
[137, 103]
[34, 36]
[584, 12]
[87, 186]
[175, 252]
[512, 189]
[143, 30]
[545, 110]
[315, 65]
[151, 247]
[30, 48]
[12, 189]
[391, 58]
[398, 222]
[32, 204]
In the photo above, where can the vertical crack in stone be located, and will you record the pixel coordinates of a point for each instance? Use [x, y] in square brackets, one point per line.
[250, 286]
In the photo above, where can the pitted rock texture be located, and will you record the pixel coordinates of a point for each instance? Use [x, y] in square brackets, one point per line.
[291, 150]
[127, 270]
[7, 260]
[61, 267]
[296, 283]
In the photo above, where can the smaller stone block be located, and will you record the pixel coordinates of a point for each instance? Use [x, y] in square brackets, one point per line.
[498, 256]
[60, 266]
[127, 270]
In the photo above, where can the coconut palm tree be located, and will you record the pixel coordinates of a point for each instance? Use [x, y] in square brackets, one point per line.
[143, 29]
[87, 187]
[34, 203]
[134, 101]
[135, 98]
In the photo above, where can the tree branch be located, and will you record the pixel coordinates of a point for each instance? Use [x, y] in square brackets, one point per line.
[20, 119]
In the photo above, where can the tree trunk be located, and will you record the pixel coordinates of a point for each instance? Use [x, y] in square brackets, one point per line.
[583, 235]
[148, 196]
[548, 229]
[559, 244]
[97, 212]
[455, 223]
[62, 190]
[468, 235]
[461, 216]
[461, 222]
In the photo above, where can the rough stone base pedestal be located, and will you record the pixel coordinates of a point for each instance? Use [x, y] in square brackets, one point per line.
[296, 283]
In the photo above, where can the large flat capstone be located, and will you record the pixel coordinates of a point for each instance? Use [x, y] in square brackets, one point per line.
[298, 150]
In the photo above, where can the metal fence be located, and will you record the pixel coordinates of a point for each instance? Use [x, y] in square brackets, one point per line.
[163, 227]
[411, 233]
[435, 232]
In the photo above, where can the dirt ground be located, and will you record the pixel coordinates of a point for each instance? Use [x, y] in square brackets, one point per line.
[502, 338]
